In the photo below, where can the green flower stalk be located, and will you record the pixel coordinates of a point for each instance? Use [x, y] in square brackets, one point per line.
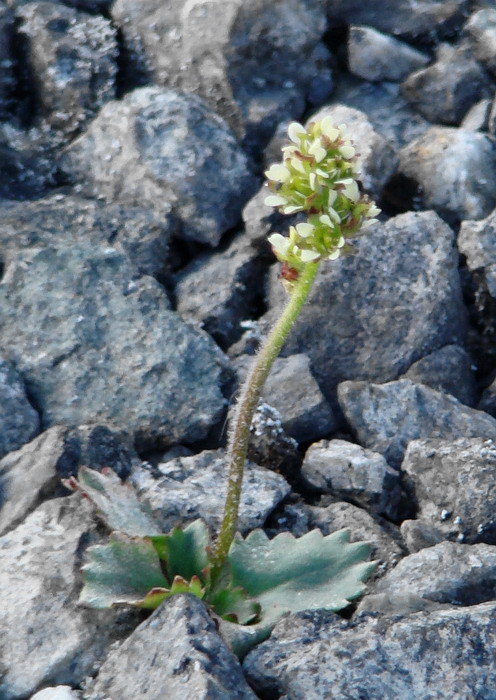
[318, 177]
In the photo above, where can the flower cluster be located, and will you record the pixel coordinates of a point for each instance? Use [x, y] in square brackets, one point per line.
[319, 177]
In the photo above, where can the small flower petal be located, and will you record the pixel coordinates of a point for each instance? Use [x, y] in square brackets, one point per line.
[313, 180]
[320, 172]
[332, 197]
[328, 129]
[279, 243]
[347, 151]
[275, 200]
[295, 131]
[278, 173]
[317, 151]
[352, 192]
[305, 230]
[334, 255]
[291, 209]
[326, 220]
[334, 215]
[369, 222]
[341, 242]
[309, 255]
[298, 165]
[373, 211]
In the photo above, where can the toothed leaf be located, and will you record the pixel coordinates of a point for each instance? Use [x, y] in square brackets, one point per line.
[184, 551]
[123, 571]
[289, 575]
[234, 605]
[117, 503]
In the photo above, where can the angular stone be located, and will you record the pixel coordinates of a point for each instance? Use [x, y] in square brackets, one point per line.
[427, 19]
[39, 584]
[454, 485]
[477, 117]
[376, 56]
[76, 322]
[194, 487]
[73, 57]
[362, 321]
[349, 472]
[448, 370]
[195, 661]
[445, 91]
[158, 146]
[245, 59]
[19, 422]
[377, 158]
[386, 417]
[292, 390]
[270, 445]
[220, 290]
[477, 241]
[458, 574]
[441, 654]
[34, 472]
[481, 28]
[381, 535]
[455, 169]
[57, 219]
[417, 535]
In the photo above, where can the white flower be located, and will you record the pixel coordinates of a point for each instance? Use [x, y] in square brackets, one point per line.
[278, 173]
[328, 129]
[291, 209]
[279, 243]
[295, 130]
[325, 220]
[309, 255]
[373, 211]
[334, 255]
[275, 200]
[332, 197]
[305, 230]
[369, 222]
[334, 215]
[347, 151]
[317, 151]
[298, 165]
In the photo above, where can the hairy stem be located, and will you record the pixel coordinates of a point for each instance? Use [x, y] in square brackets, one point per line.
[247, 403]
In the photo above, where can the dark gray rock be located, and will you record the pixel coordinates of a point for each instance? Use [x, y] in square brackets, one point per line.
[481, 29]
[39, 585]
[221, 290]
[60, 218]
[446, 90]
[73, 58]
[426, 20]
[491, 120]
[477, 117]
[96, 345]
[194, 487]
[349, 472]
[34, 472]
[455, 171]
[381, 535]
[245, 59]
[417, 535]
[261, 220]
[477, 241]
[444, 653]
[449, 370]
[270, 445]
[371, 315]
[19, 422]
[196, 662]
[7, 77]
[292, 390]
[386, 417]
[458, 574]
[454, 486]
[158, 147]
[376, 56]
[377, 158]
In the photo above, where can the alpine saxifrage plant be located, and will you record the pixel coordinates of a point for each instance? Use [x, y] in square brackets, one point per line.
[248, 583]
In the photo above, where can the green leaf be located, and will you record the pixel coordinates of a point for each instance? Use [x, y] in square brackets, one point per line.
[288, 574]
[234, 605]
[123, 571]
[184, 551]
[116, 502]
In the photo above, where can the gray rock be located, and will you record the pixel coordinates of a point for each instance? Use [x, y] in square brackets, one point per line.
[426, 20]
[491, 120]
[220, 290]
[477, 241]
[19, 422]
[7, 77]
[446, 90]
[436, 655]
[270, 445]
[349, 472]
[292, 390]
[376, 56]
[481, 29]
[73, 58]
[60, 692]
[448, 370]
[371, 315]
[76, 323]
[458, 574]
[194, 487]
[261, 220]
[245, 59]
[381, 535]
[455, 171]
[39, 584]
[59, 218]
[417, 535]
[454, 485]
[158, 146]
[197, 663]
[488, 398]
[34, 472]
[386, 417]
[377, 158]
[477, 117]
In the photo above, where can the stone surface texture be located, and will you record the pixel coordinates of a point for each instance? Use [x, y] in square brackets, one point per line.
[19, 421]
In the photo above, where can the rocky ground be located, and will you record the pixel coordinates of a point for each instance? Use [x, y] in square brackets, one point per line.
[136, 282]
